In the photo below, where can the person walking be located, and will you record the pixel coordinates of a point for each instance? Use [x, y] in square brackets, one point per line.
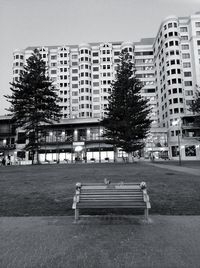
[3, 161]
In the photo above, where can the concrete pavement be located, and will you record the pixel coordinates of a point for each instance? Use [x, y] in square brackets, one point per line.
[106, 241]
[188, 170]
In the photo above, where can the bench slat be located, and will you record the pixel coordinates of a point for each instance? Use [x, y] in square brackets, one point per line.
[114, 195]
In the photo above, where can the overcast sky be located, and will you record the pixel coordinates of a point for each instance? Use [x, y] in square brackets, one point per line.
[26, 23]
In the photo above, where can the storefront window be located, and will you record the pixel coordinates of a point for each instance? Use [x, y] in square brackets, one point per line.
[175, 151]
[190, 150]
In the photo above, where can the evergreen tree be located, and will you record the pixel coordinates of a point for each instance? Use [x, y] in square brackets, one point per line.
[127, 119]
[34, 101]
[195, 106]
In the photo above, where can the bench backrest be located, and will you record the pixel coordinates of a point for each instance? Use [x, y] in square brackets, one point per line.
[114, 193]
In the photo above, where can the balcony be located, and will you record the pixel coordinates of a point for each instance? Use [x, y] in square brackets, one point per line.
[190, 126]
[7, 147]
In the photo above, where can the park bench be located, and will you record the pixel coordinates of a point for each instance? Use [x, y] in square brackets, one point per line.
[111, 195]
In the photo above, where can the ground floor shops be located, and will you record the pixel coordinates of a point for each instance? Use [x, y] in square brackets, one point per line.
[82, 141]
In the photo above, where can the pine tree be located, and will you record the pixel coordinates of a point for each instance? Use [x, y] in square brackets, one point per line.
[127, 119]
[34, 101]
[195, 106]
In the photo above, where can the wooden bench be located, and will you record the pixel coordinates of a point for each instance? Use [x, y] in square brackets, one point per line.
[111, 195]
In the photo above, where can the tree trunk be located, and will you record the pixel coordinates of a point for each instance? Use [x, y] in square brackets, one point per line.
[130, 157]
[37, 146]
[115, 153]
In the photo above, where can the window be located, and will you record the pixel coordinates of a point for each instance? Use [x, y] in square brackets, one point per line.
[74, 71]
[187, 74]
[198, 33]
[74, 100]
[53, 71]
[188, 83]
[186, 64]
[190, 150]
[197, 24]
[198, 42]
[184, 37]
[175, 151]
[75, 93]
[95, 69]
[96, 107]
[183, 29]
[96, 84]
[185, 47]
[189, 102]
[21, 138]
[95, 54]
[169, 25]
[95, 91]
[186, 55]
[174, 81]
[173, 71]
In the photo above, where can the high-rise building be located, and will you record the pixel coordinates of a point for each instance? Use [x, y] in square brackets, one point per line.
[167, 65]
[177, 74]
[83, 74]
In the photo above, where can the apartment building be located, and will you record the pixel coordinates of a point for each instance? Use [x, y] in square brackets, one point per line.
[177, 72]
[167, 65]
[83, 74]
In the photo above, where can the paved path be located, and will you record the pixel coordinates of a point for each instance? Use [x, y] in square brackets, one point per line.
[95, 242]
[192, 171]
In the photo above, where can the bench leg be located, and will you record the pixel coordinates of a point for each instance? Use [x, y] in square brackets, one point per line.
[146, 213]
[76, 214]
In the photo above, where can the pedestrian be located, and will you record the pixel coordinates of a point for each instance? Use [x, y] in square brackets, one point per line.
[3, 161]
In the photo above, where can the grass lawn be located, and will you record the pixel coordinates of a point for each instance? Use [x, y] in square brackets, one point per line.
[48, 189]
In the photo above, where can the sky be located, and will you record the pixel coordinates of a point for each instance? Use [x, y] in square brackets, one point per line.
[26, 23]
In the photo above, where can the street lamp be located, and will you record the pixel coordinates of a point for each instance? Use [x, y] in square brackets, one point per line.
[4, 145]
[99, 136]
[177, 123]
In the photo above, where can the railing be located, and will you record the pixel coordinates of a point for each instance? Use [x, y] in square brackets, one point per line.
[54, 142]
[190, 125]
[7, 147]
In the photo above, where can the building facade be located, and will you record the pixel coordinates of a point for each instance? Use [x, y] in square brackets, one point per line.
[177, 74]
[167, 65]
[71, 141]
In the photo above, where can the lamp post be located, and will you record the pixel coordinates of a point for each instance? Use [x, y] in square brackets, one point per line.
[177, 123]
[179, 146]
[4, 146]
[99, 134]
